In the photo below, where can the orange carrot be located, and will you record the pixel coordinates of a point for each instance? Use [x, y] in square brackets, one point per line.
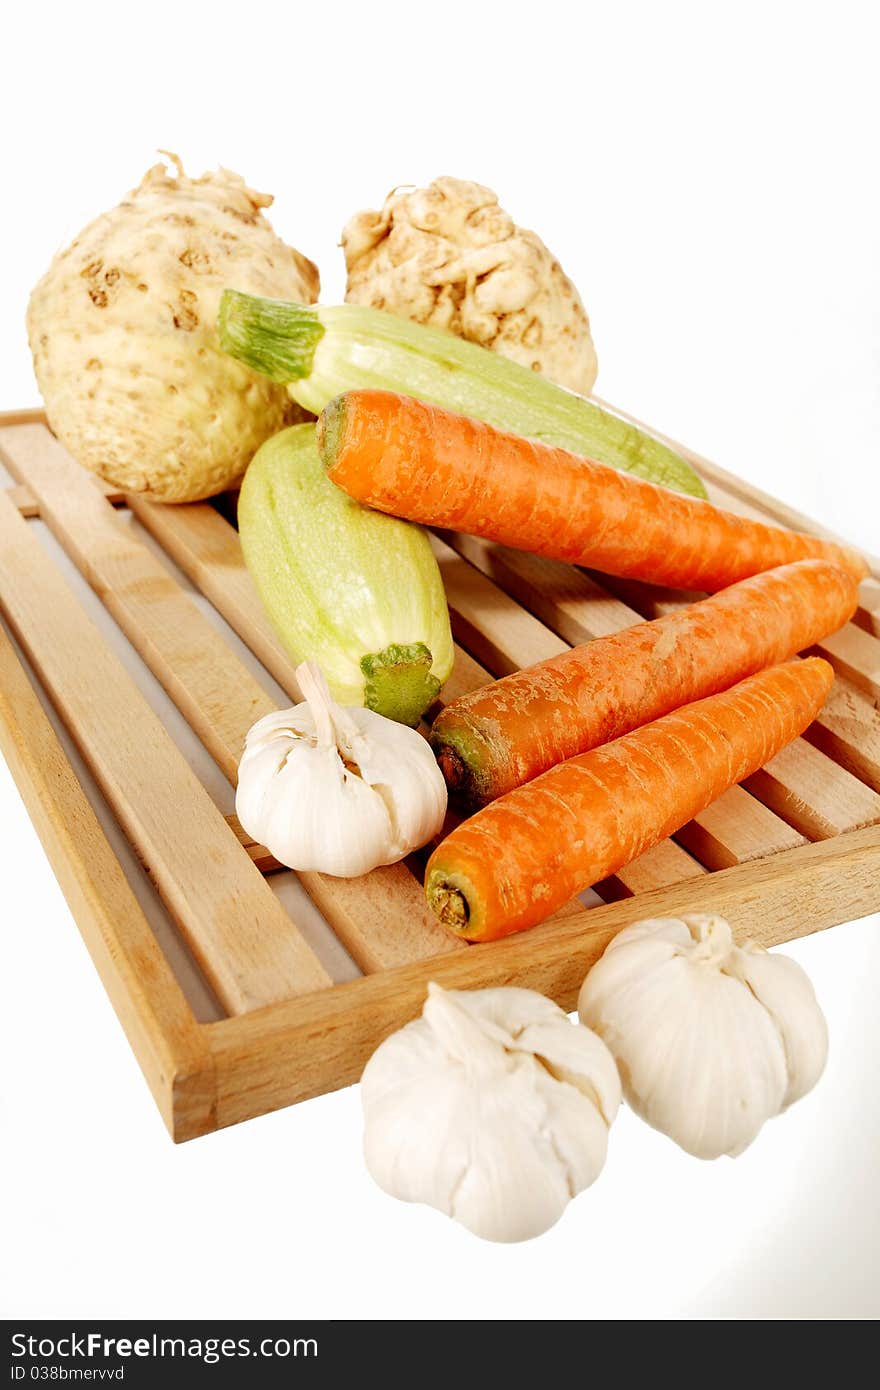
[515, 862]
[493, 739]
[417, 461]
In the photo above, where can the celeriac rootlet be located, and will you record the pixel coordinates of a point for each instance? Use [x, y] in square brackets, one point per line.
[515, 862]
[319, 352]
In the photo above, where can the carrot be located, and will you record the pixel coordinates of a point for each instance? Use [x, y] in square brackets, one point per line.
[515, 862]
[493, 739]
[414, 460]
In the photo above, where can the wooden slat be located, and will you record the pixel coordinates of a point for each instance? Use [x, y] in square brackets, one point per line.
[735, 829]
[204, 545]
[158, 1022]
[854, 654]
[665, 864]
[23, 498]
[868, 615]
[502, 636]
[247, 946]
[30, 415]
[257, 853]
[467, 674]
[563, 597]
[849, 732]
[214, 690]
[309, 1046]
[383, 918]
[798, 784]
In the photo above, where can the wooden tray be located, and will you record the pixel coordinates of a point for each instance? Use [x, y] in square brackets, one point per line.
[794, 850]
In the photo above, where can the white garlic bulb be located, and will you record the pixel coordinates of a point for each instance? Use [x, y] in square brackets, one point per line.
[492, 1107]
[711, 1039]
[336, 790]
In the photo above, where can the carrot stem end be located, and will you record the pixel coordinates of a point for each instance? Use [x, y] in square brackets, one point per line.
[449, 904]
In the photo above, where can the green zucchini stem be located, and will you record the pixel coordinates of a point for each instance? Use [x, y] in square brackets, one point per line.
[269, 335]
[398, 681]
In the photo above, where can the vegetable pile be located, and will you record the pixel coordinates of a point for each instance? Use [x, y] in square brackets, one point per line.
[173, 341]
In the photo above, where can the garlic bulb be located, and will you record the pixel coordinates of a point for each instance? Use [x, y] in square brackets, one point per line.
[492, 1107]
[711, 1038]
[337, 790]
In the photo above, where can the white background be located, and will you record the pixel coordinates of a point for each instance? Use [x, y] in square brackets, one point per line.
[707, 175]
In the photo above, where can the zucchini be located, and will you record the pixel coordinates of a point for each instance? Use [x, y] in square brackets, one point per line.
[319, 352]
[358, 592]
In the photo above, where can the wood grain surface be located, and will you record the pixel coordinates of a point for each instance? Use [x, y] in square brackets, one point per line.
[164, 1036]
[249, 949]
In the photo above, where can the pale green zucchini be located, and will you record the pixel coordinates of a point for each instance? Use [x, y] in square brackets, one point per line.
[354, 590]
[320, 351]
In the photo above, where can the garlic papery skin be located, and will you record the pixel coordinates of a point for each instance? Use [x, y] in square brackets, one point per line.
[492, 1107]
[711, 1039]
[337, 790]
